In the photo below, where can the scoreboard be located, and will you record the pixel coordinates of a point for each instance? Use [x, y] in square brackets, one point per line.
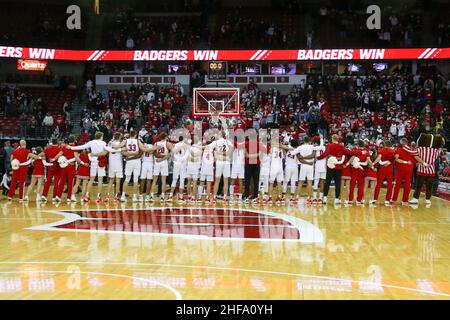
[217, 71]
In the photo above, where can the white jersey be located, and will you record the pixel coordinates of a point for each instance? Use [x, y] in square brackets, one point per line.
[321, 165]
[291, 159]
[132, 145]
[305, 150]
[265, 160]
[195, 160]
[181, 154]
[276, 158]
[221, 148]
[147, 157]
[96, 146]
[239, 156]
[208, 156]
[114, 157]
[161, 148]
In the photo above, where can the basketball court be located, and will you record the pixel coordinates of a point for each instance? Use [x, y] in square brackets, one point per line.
[135, 251]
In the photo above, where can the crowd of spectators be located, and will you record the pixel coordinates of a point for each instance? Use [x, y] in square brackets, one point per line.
[398, 29]
[278, 27]
[372, 107]
[40, 26]
[35, 120]
[153, 108]
[130, 32]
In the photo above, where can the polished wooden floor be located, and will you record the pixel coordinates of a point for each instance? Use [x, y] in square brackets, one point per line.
[191, 252]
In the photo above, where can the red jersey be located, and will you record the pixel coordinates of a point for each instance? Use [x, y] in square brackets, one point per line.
[336, 150]
[38, 169]
[51, 152]
[347, 171]
[387, 154]
[21, 154]
[406, 153]
[82, 170]
[68, 153]
[362, 155]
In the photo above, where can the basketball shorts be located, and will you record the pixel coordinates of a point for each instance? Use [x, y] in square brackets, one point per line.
[115, 170]
[95, 170]
[147, 170]
[222, 168]
[306, 172]
[276, 174]
[237, 171]
[133, 167]
[161, 168]
[193, 171]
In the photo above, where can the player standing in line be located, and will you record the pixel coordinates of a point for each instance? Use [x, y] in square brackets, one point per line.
[147, 169]
[115, 168]
[306, 151]
[223, 149]
[68, 169]
[276, 170]
[207, 171]
[405, 157]
[291, 169]
[180, 154]
[264, 173]
[335, 150]
[346, 177]
[385, 159]
[193, 172]
[237, 170]
[19, 164]
[359, 163]
[53, 172]
[320, 171]
[38, 174]
[161, 150]
[370, 180]
[83, 172]
[132, 156]
[97, 167]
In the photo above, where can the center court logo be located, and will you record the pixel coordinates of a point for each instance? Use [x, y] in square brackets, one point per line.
[189, 223]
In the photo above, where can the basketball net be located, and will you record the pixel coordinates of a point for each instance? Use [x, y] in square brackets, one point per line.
[216, 117]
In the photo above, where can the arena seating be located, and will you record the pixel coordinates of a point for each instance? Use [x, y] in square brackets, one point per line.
[52, 100]
[41, 25]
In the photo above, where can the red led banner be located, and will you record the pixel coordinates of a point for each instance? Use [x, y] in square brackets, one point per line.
[31, 65]
[237, 55]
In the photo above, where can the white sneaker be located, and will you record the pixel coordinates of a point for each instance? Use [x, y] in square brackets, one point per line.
[123, 198]
[135, 199]
[414, 201]
[148, 198]
[427, 202]
[337, 201]
[25, 198]
[56, 199]
[141, 198]
[387, 203]
[324, 200]
[73, 198]
[43, 198]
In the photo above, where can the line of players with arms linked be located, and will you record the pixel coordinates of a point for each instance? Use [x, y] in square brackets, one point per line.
[200, 164]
